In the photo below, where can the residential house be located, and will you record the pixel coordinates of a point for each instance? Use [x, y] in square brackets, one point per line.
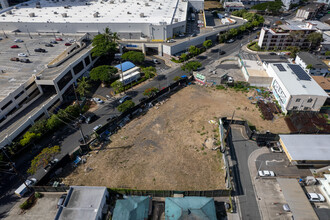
[310, 11]
[133, 207]
[311, 64]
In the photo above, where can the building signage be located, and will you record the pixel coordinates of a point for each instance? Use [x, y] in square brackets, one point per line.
[200, 77]
[278, 92]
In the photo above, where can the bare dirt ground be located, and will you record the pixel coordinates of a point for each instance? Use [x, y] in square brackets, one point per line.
[164, 148]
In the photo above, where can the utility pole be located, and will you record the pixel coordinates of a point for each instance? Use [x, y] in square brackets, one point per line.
[27, 49]
[4, 33]
[14, 168]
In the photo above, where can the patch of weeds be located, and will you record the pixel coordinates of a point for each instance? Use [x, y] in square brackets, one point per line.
[203, 128]
[197, 150]
[203, 133]
[238, 108]
[214, 130]
[204, 153]
[198, 131]
[202, 148]
[216, 136]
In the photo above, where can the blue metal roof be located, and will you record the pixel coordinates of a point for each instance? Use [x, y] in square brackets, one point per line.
[125, 66]
[190, 208]
[132, 207]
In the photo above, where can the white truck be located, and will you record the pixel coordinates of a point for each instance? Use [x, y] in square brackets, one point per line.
[20, 191]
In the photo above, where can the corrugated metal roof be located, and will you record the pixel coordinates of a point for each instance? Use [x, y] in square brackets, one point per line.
[197, 208]
[132, 207]
[300, 207]
[125, 66]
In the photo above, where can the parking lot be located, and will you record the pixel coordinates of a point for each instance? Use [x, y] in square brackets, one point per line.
[279, 163]
[322, 209]
[16, 72]
[44, 209]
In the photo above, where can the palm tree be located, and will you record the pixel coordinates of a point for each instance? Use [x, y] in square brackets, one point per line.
[83, 87]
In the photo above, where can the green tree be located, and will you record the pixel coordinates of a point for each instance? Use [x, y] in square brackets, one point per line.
[104, 44]
[149, 71]
[104, 73]
[39, 126]
[72, 111]
[134, 56]
[177, 78]
[296, 35]
[53, 122]
[150, 91]
[233, 32]
[126, 105]
[327, 53]
[194, 51]
[315, 38]
[84, 86]
[242, 28]
[117, 86]
[184, 57]
[255, 23]
[309, 66]
[207, 44]
[29, 137]
[43, 158]
[191, 66]
[294, 50]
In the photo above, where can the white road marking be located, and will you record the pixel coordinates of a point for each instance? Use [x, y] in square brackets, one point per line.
[274, 161]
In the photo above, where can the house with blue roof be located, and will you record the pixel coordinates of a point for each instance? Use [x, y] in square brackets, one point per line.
[196, 208]
[125, 66]
[133, 208]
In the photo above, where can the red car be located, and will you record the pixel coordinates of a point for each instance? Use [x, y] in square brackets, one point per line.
[14, 46]
[67, 44]
[58, 39]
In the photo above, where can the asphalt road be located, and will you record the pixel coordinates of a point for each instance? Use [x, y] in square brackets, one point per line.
[240, 149]
[68, 137]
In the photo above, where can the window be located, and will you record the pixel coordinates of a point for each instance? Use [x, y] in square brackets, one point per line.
[306, 108]
[19, 94]
[29, 86]
[294, 107]
[65, 80]
[298, 100]
[87, 60]
[79, 67]
[6, 105]
[309, 100]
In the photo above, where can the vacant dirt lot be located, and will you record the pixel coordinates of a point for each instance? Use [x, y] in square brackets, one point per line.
[164, 148]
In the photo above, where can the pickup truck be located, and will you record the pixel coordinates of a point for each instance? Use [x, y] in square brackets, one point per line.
[20, 191]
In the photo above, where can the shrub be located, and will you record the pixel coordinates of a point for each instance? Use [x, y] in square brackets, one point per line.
[28, 203]
[38, 195]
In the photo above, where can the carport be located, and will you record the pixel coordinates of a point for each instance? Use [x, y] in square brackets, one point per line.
[294, 195]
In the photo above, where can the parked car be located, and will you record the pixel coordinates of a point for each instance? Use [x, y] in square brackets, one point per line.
[90, 118]
[98, 100]
[230, 41]
[124, 99]
[58, 39]
[97, 128]
[286, 208]
[53, 42]
[61, 200]
[18, 40]
[315, 197]
[276, 149]
[20, 191]
[50, 164]
[14, 46]
[272, 53]
[222, 52]
[14, 59]
[111, 118]
[22, 55]
[67, 44]
[170, 41]
[182, 35]
[193, 35]
[24, 60]
[40, 50]
[155, 61]
[264, 173]
[49, 45]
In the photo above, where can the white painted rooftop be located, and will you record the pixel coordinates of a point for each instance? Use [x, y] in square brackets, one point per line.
[296, 86]
[111, 11]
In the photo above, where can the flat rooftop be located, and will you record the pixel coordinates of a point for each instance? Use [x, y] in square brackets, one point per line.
[307, 146]
[83, 203]
[16, 73]
[299, 205]
[253, 64]
[293, 84]
[109, 11]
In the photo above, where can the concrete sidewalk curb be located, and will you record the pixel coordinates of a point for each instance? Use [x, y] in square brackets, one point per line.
[253, 170]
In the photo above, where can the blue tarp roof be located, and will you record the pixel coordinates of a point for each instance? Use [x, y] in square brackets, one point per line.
[125, 66]
[190, 208]
[133, 207]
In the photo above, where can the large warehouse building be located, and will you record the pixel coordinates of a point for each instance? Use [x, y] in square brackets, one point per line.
[131, 19]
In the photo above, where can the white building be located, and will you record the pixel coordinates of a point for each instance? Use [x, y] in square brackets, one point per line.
[131, 19]
[233, 6]
[294, 89]
[326, 2]
[325, 187]
[84, 202]
[318, 67]
[287, 3]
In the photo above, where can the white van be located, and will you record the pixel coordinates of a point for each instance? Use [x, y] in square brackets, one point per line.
[23, 189]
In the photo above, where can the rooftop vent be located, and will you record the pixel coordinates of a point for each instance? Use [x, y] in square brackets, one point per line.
[112, 2]
[146, 4]
[141, 15]
[176, 20]
[129, 13]
[64, 15]
[67, 6]
[96, 14]
[32, 14]
[55, 12]
[9, 12]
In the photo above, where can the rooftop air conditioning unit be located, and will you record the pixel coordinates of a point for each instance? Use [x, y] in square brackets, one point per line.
[146, 4]
[176, 20]
[64, 15]
[9, 12]
[55, 12]
[112, 2]
[141, 15]
[96, 14]
[129, 13]
[32, 14]
[38, 6]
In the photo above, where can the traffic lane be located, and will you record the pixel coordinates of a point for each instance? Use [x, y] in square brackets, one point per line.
[240, 150]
